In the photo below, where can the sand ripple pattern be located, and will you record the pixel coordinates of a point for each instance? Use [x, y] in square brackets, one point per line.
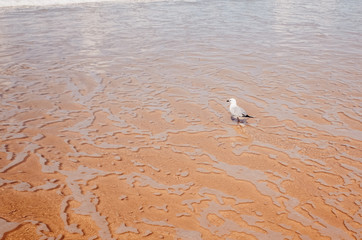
[114, 125]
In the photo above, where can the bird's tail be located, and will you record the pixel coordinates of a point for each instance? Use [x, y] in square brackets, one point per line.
[248, 116]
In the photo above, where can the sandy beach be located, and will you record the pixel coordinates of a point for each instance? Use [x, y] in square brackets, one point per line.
[114, 122]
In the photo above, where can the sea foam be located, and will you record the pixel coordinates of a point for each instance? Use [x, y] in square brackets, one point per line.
[29, 3]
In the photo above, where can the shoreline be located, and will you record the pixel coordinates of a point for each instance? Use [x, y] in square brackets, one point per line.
[117, 127]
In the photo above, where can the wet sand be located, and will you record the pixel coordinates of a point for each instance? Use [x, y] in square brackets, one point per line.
[114, 121]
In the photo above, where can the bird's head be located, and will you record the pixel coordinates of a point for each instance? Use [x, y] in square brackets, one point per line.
[231, 101]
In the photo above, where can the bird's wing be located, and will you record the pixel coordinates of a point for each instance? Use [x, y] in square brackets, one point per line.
[238, 111]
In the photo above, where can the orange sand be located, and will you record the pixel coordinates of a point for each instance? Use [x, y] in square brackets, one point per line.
[117, 127]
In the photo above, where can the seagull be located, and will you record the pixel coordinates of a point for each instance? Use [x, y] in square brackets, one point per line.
[236, 111]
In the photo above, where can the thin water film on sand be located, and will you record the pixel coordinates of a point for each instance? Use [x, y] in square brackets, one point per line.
[114, 121]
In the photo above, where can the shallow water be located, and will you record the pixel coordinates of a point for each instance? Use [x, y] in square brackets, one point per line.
[114, 121]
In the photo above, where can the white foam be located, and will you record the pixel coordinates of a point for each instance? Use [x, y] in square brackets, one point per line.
[29, 3]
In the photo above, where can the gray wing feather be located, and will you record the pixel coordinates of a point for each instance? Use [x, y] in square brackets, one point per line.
[237, 111]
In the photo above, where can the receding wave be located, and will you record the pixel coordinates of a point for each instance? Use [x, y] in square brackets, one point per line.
[28, 3]
[114, 122]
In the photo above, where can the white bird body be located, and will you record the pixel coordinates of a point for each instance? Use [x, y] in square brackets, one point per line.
[236, 111]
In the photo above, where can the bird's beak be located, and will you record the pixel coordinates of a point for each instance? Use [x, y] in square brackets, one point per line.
[228, 100]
